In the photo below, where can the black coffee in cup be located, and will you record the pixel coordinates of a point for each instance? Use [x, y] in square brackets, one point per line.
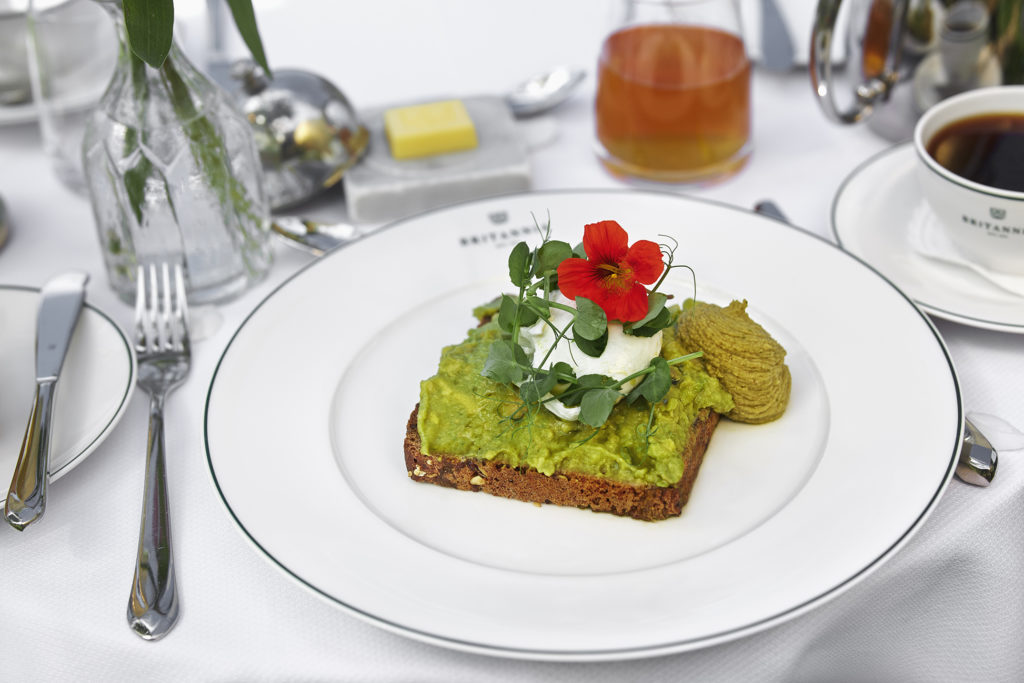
[987, 149]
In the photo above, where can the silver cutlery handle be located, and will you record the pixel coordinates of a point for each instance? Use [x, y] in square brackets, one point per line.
[26, 499]
[153, 605]
[978, 459]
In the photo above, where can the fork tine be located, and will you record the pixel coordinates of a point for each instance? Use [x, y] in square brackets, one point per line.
[180, 313]
[166, 321]
[161, 309]
[140, 308]
[154, 326]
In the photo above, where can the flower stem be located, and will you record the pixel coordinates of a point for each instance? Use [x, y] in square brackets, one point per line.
[649, 369]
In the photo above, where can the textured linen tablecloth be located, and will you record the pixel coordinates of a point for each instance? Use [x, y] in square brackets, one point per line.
[948, 607]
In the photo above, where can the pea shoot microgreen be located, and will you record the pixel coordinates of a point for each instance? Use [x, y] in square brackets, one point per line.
[535, 274]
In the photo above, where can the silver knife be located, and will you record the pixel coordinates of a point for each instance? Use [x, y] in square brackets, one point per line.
[58, 312]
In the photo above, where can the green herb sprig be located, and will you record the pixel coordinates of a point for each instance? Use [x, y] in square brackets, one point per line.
[535, 274]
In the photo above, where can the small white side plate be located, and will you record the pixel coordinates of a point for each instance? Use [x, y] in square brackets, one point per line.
[93, 391]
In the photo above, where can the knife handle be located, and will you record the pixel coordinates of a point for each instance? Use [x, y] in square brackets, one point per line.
[26, 498]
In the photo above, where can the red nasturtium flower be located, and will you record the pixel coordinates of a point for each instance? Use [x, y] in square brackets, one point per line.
[614, 274]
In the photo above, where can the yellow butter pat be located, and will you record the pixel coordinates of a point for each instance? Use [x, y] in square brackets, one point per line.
[427, 129]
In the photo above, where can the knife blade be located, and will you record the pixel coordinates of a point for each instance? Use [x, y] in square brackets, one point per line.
[59, 308]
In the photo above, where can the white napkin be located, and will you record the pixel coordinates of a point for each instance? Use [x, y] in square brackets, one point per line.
[928, 239]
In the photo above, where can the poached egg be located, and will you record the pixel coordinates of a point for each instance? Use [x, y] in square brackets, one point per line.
[624, 354]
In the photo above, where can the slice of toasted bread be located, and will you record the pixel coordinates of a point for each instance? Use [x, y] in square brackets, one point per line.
[648, 503]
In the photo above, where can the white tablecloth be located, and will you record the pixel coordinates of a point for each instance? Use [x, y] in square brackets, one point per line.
[949, 606]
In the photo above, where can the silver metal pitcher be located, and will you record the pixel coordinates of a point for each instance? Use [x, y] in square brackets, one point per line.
[903, 56]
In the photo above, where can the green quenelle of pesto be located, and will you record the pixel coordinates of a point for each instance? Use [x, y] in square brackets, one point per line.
[462, 413]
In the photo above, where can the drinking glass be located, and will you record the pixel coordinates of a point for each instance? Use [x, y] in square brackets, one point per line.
[14, 85]
[673, 92]
[72, 49]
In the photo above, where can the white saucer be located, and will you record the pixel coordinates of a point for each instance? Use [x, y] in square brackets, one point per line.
[93, 392]
[871, 218]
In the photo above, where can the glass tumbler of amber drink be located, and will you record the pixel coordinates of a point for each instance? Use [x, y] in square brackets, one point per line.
[673, 92]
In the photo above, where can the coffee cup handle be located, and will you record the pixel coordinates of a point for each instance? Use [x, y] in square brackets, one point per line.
[874, 88]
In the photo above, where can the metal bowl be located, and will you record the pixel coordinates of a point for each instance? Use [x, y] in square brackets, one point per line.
[307, 132]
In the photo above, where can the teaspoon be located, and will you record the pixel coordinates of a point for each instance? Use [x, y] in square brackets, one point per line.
[544, 91]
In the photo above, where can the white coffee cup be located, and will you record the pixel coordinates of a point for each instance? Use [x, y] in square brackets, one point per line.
[986, 224]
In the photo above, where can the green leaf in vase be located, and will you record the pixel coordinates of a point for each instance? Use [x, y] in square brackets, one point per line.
[150, 27]
[245, 20]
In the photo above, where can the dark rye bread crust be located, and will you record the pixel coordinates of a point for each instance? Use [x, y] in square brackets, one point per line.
[648, 503]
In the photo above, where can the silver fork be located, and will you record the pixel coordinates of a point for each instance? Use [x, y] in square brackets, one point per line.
[162, 346]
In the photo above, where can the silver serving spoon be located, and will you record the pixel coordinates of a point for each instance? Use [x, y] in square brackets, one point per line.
[978, 459]
[544, 91]
[310, 236]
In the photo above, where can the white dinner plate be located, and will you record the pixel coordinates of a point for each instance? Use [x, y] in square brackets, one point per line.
[306, 416]
[93, 391]
[872, 215]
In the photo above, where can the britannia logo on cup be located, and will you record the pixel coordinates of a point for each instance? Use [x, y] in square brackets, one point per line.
[998, 214]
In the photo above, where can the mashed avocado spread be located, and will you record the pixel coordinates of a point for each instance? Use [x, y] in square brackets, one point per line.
[463, 413]
[742, 355]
